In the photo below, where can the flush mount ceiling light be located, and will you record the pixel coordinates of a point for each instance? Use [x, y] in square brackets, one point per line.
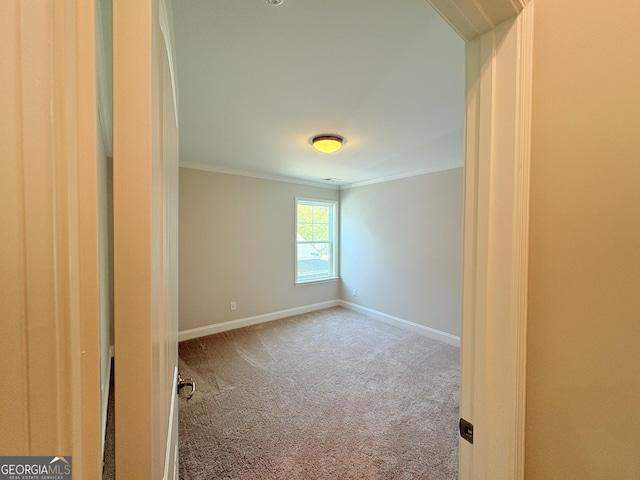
[327, 143]
[274, 3]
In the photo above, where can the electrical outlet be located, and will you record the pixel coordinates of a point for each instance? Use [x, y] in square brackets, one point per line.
[232, 305]
[355, 292]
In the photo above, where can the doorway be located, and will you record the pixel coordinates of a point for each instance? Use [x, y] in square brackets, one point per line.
[498, 51]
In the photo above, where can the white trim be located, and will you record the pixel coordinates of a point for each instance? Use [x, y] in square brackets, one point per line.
[106, 389]
[268, 317]
[334, 238]
[404, 324]
[244, 173]
[471, 246]
[390, 178]
[493, 353]
[145, 175]
[255, 320]
[315, 282]
[472, 18]
[264, 176]
[521, 228]
[171, 447]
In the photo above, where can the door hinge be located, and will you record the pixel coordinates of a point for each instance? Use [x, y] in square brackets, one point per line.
[466, 430]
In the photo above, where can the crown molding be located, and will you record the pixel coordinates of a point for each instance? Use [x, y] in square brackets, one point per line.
[473, 18]
[244, 173]
[276, 178]
[424, 171]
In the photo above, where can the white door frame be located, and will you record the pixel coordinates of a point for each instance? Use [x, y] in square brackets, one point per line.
[145, 195]
[499, 35]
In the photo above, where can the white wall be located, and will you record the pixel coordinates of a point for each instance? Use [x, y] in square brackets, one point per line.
[401, 248]
[583, 362]
[237, 244]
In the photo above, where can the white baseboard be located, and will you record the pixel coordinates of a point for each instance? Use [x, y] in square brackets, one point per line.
[401, 323]
[267, 317]
[105, 399]
[246, 322]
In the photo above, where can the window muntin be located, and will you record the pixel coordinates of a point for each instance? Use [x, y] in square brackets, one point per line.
[315, 240]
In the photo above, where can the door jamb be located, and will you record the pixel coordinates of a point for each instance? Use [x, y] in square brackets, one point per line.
[499, 38]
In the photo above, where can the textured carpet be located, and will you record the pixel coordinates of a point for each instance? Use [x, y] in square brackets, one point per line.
[330, 394]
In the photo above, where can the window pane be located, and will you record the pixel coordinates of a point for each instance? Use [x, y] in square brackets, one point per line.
[305, 231]
[305, 213]
[311, 265]
[320, 214]
[322, 249]
[321, 232]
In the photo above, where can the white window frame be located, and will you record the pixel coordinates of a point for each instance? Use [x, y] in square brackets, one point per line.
[333, 240]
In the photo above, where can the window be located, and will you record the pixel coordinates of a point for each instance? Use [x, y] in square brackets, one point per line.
[315, 240]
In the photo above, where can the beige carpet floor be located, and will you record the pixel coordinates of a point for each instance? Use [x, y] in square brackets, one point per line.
[326, 395]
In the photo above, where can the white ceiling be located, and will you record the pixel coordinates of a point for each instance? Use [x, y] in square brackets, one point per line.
[256, 82]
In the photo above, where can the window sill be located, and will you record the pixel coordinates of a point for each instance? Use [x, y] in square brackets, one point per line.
[313, 282]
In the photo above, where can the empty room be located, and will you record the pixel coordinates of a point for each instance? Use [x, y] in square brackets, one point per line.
[319, 292]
